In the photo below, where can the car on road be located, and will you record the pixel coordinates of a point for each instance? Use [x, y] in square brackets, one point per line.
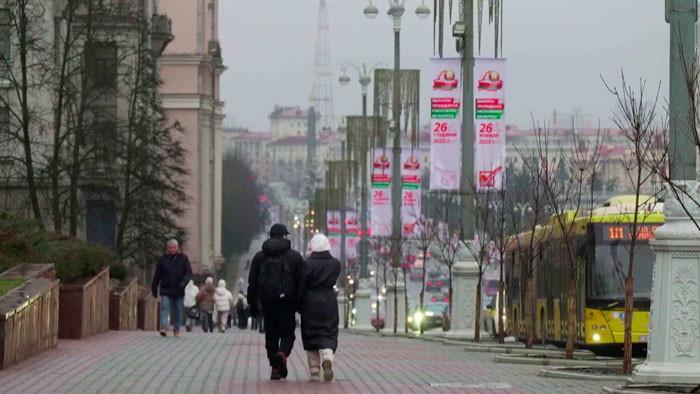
[416, 274]
[436, 280]
[434, 315]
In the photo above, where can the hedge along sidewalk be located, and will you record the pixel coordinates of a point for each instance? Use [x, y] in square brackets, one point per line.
[8, 284]
[24, 240]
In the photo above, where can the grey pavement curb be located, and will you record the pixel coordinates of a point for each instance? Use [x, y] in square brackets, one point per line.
[524, 351]
[516, 359]
[623, 390]
[559, 374]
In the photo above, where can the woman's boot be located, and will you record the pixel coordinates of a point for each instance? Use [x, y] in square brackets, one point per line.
[314, 365]
[327, 364]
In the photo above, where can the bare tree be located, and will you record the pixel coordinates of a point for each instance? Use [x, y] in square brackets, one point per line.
[498, 230]
[533, 191]
[381, 253]
[636, 117]
[485, 212]
[23, 62]
[565, 197]
[448, 236]
[425, 227]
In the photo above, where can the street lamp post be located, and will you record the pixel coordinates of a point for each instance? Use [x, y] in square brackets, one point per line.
[522, 207]
[364, 78]
[395, 12]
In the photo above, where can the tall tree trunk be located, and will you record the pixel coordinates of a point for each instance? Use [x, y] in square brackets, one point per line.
[571, 318]
[405, 302]
[379, 303]
[477, 312]
[396, 301]
[24, 92]
[422, 289]
[528, 312]
[629, 303]
[501, 333]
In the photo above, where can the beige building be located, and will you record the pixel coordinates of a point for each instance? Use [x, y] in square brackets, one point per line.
[252, 147]
[288, 122]
[190, 68]
[614, 151]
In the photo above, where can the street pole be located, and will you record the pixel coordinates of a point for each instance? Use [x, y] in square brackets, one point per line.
[364, 73]
[364, 241]
[682, 49]
[343, 169]
[467, 175]
[396, 151]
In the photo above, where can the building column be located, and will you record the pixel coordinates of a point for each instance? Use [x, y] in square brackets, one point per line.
[218, 168]
[673, 352]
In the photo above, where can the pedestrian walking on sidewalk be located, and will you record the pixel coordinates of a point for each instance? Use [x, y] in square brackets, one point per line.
[223, 299]
[190, 304]
[242, 311]
[205, 302]
[172, 274]
[273, 275]
[318, 306]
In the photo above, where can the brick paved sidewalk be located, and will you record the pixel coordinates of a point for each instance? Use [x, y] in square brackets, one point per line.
[139, 362]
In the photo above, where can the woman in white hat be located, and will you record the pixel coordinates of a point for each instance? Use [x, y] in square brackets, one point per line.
[319, 307]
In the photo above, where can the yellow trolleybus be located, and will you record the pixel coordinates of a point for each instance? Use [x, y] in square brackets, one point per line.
[602, 239]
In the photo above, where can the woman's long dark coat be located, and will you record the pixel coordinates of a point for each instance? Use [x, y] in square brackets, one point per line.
[317, 302]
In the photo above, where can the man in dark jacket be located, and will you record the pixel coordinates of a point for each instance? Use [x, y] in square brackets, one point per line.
[277, 259]
[173, 272]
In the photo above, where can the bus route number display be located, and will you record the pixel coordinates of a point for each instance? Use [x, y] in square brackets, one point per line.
[621, 232]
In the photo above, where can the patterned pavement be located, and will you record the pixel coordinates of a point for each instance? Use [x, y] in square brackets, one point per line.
[143, 362]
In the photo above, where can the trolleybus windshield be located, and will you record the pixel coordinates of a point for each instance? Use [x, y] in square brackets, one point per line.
[608, 269]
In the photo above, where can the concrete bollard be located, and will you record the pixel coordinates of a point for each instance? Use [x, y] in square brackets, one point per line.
[363, 307]
[673, 352]
[341, 308]
[465, 274]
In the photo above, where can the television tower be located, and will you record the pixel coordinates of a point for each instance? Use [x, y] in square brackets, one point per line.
[322, 91]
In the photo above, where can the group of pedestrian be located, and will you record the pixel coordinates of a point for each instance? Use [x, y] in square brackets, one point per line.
[280, 284]
[285, 284]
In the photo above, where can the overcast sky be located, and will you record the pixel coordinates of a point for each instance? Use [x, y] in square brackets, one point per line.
[556, 50]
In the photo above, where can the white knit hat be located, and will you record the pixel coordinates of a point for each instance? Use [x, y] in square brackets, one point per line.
[320, 243]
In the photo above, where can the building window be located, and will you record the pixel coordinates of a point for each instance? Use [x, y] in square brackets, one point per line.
[101, 59]
[5, 36]
[4, 121]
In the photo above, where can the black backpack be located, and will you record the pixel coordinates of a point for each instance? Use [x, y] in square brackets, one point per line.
[275, 280]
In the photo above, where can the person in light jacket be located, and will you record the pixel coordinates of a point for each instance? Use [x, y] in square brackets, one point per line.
[317, 303]
[190, 302]
[223, 300]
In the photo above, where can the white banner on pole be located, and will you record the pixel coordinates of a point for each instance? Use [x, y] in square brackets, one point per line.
[489, 123]
[333, 226]
[445, 123]
[351, 227]
[410, 192]
[380, 211]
